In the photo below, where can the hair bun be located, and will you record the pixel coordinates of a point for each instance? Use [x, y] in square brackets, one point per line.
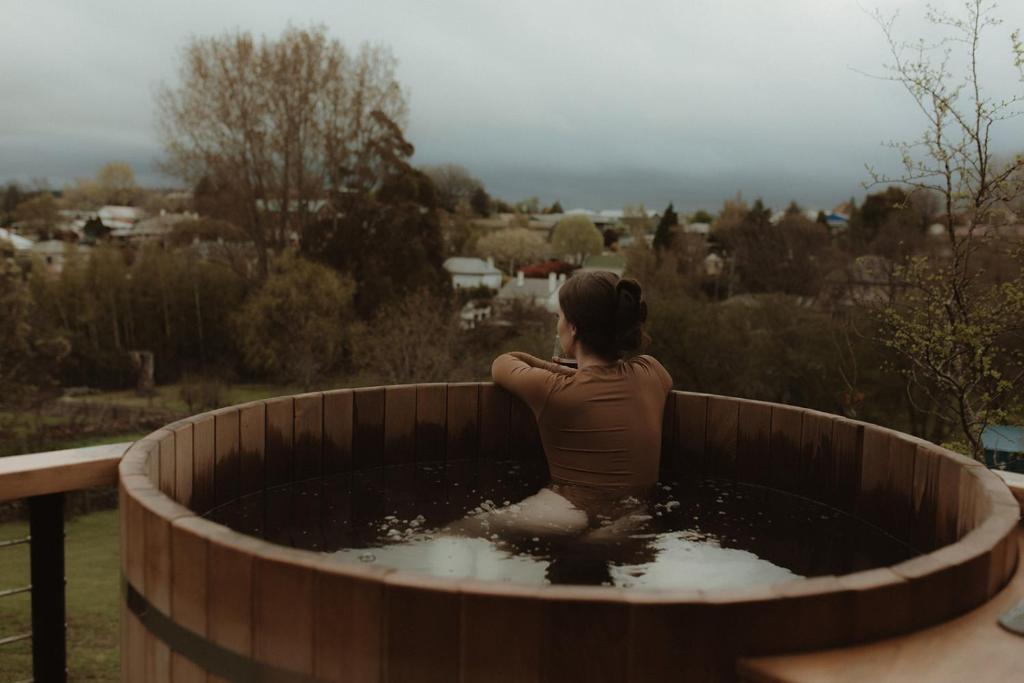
[630, 305]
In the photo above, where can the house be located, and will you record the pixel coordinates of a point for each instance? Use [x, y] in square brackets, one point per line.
[1004, 447]
[469, 272]
[17, 241]
[157, 227]
[536, 291]
[119, 217]
[615, 263]
[697, 228]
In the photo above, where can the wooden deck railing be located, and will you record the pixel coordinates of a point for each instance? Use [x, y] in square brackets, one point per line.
[42, 479]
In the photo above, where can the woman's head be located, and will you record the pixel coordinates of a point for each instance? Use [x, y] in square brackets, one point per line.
[606, 312]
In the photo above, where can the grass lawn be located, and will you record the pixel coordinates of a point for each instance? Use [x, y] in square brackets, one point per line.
[93, 576]
[168, 396]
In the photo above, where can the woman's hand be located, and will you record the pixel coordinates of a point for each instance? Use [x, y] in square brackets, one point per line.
[535, 362]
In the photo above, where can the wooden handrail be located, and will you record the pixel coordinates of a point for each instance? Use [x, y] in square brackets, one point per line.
[74, 469]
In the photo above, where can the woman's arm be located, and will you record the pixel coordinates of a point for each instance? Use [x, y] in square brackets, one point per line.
[535, 362]
[532, 383]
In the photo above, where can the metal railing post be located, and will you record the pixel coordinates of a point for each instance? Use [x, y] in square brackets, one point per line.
[46, 553]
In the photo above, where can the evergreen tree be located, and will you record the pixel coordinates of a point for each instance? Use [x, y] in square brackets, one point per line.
[556, 207]
[663, 235]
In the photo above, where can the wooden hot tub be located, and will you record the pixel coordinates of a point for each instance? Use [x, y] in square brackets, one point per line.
[201, 599]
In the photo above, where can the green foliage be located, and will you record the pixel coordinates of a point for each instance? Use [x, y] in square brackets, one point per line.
[387, 235]
[958, 336]
[200, 393]
[39, 214]
[512, 247]
[555, 208]
[30, 348]
[576, 237]
[480, 202]
[663, 234]
[702, 216]
[295, 327]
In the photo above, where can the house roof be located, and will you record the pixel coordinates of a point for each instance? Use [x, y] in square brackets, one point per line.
[532, 288]
[466, 265]
[17, 241]
[1003, 438]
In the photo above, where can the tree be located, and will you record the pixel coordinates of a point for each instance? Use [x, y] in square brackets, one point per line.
[663, 234]
[454, 184]
[556, 208]
[295, 327]
[116, 183]
[958, 334]
[381, 349]
[480, 202]
[13, 195]
[39, 214]
[275, 124]
[528, 205]
[385, 231]
[702, 216]
[30, 350]
[512, 246]
[576, 237]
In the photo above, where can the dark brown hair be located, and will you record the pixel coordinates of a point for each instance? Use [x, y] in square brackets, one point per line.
[607, 311]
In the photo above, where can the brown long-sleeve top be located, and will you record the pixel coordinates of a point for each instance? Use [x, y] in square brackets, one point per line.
[600, 426]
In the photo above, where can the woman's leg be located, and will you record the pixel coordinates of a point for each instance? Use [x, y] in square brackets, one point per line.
[545, 513]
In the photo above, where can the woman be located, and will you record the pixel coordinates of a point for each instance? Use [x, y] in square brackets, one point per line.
[600, 424]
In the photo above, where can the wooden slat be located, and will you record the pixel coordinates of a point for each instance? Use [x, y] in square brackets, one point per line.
[598, 648]
[463, 409]
[846, 451]
[925, 498]
[203, 491]
[900, 485]
[525, 444]
[167, 456]
[252, 447]
[668, 457]
[495, 416]
[687, 642]
[23, 476]
[400, 425]
[183, 463]
[691, 434]
[278, 461]
[229, 570]
[422, 632]
[283, 611]
[368, 428]
[431, 418]
[338, 422]
[817, 470]
[188, 590]
[752, 442]
[501, 637]
[227, 464]
[871, 499]
[309, 425]
[348, 633]
[723, 417]
[784, 448]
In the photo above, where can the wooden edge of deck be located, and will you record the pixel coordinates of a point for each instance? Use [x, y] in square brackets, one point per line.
[74, 469]
[970, 647]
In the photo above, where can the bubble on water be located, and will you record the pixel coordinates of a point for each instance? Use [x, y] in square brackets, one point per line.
[367, 557]
[672, 504]
[535, 539]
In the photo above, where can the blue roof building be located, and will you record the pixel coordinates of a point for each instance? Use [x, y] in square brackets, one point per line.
[1004, 447]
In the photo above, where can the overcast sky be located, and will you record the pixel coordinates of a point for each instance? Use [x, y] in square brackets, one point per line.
[593, 103]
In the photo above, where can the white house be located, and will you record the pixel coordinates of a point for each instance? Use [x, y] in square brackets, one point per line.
[472, 272]
[17, 241]
[534, 290]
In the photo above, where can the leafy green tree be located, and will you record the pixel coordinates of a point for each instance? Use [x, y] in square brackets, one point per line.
[955, 330]
[556, 208]
[40, 214]
[454, 185]
[512, 247]
[387, 232]
[663, 234]
[702, 216]
[30, 349]
[480, 202]
[576, 237]
[296, 326]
